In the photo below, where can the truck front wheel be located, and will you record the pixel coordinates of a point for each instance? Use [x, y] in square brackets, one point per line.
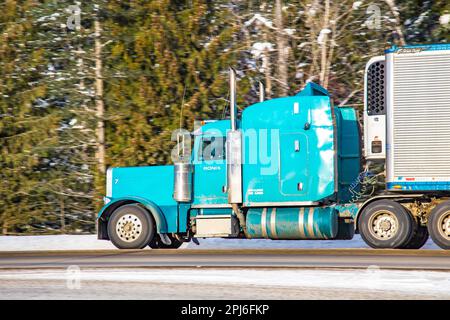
[131, 227]
[386, 224]
[439, 225]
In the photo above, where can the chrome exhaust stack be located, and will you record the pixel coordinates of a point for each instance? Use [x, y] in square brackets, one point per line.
[182, 184]
[261, 92]
[234, 149]
[233, 108]
[234, 158]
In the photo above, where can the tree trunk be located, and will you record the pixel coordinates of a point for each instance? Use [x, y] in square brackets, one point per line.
[314, 49]
[267, 69]
[267, 76]
[100, 108]
[5, 228]
[330, 54]
[62, 216]
[283, 50]
[398, 24]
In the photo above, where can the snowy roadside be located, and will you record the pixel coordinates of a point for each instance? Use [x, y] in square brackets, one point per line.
[90, 242]
[372, 283]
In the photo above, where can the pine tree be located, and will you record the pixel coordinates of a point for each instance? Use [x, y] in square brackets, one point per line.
[26, 123]
[76, 98]
[161, 50]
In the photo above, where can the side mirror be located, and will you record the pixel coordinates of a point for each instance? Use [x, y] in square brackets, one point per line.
[182, 150]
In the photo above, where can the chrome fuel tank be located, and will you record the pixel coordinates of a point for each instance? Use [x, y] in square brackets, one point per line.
[293, 223]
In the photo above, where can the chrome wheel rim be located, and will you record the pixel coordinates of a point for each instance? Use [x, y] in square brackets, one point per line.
[129, 227]
[444, 225]
[383, 225]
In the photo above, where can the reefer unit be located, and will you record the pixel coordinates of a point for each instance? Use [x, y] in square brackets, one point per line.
[375, 109]
[418, 114]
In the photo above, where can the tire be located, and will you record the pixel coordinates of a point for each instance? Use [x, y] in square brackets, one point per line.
[386, 224]
[156, 243]
[131, 227]
[346, 231]
[419, 238]
[439, 225]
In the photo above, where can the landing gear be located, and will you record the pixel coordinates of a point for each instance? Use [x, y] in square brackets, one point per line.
[386, 224]
[130, 227]
[157, 243]
[439, 225]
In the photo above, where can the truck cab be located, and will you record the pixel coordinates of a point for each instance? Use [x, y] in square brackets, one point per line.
[285, 157]
[290, 167]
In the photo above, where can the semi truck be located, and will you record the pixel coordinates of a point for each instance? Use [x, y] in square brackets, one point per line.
[289, 167]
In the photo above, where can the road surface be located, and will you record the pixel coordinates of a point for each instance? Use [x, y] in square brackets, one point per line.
[226, 274]
[438, 260]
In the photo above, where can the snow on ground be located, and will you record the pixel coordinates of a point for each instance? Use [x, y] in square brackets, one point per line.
[90, 242]
[224, 284]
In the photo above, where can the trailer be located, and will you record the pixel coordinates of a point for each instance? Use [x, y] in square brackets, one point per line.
[289, 167]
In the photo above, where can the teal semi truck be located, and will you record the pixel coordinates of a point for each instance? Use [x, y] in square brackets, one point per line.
[289, 167]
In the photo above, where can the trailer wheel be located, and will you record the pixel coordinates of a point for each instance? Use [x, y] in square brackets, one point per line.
[386, 224]
[419, 238]
[131, 227]
[156, 243]
[439, 225]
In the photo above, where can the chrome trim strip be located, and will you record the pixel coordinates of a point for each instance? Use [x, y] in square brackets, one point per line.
[214, 216]
[212, 206]
[301, 225]
[282, 204]
[273, 229]
[389, 117]
[311, 223]
[263, 223]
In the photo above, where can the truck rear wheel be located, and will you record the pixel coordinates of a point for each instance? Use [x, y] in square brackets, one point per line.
[131, 227]
[439, 225]
[386, 224]
[419, 238]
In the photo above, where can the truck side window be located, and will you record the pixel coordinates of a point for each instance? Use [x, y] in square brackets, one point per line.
[212, 148]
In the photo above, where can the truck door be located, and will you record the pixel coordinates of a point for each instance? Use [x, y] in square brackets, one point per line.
[294, 164]
[210, 171]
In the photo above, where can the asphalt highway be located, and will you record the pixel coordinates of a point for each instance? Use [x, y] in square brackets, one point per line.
[274, 258]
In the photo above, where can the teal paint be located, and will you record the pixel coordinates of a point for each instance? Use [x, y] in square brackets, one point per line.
[348, 210]
[295, 149]
[300, 162]
[157, 213]
[292, 223]
[211, 211]
[151, 186]
[210, 172]
[349, 152]
[313, 89]
[183, 214]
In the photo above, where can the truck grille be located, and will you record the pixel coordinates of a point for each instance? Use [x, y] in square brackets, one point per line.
[375, 89]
